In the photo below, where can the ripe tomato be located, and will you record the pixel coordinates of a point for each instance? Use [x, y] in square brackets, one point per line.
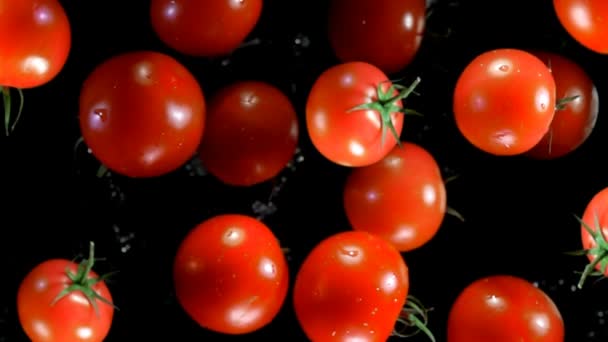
[60, 301]
[204, 28]
[251, 133]
[352, 137]
[504, 308]
[575, 119]
[594, 233]
[231, 275]
[402, 198]
[351, 287]
[142, 114]
[585, 21]
[361, 30]
[504, 101]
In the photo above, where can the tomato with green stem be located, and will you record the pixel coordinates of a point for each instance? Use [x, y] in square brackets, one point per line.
[585, 22]
[385, 33]
[204, 28]
[576, 111]
[504, 101]
[354, 286]
[61, 301]
[142, 114]
[35, 41]
[251, 133]
[504, 308]
[230, 274]
[349, 111]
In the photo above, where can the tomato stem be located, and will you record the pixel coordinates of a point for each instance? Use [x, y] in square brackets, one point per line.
[454, 213]
[409, 318]
[6, 98]
[102, 171]
[563, 102]
[599, 251]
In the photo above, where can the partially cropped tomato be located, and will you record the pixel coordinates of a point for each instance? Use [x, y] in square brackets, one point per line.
[585, 21]
[142, 114]
[574, 118]
[594, 235]
[504, 101]
[402, 198]
[351, 287]
[61, 301]
[504, 308]
[202, 27]
[251, 133]
[230, 274]
[385, 33]
[354, 114]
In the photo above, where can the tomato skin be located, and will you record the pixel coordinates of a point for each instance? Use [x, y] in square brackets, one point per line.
[361, 30]
[585, 21]
[572, 125]
[351, 139]
[598, 206]
[204, 28]
[351, 286]
[402, 198]
[142, 114]
[504, 308]
[35, 41]
[251, 133]
[499, 91]
[230, 274]
[72, 318]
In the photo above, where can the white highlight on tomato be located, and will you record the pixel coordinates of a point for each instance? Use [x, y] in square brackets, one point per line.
[36, 65]
[540, 323]
[171, 11]
[42, 329]
[43, 15]
[505, 138]
[350, 255]
[249, 99]
[581, 17]
[244, 314]
[374, 118]
[143, 73]
[41, 285]
[179, 115]
[79, 298]
[408, 21]
[429, 195]
[233, 236]
[500, 67]
[320, 122]
[84, 333]
[372, 195]
[356, 148]
[496, 302]
[393, 162]
[347, 80]
[193, 265]
[151, 155]
[268, 268]
[389, 283]
[542, 99]
[294, 130]
[404, 233]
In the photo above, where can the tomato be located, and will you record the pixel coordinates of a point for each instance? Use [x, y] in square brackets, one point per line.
[504, 101]
[204, 28]
[504, 308]
[575, 119]
[585, 21]
[384, 33]
[402, 198]
[230, 274]
[352, 286]
[350, 137]
[60, 301]
[251, 133]
[594, 233]
[142, 114]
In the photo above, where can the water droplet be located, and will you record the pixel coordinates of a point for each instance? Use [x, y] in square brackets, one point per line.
[503, 68]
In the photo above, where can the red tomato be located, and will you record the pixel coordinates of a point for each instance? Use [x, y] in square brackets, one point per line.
[504, 101]
[351, 287]
[142, 114]
[251, 133]
[574, 120]
[504, 309]
[354, 137]
[402, 198]
[204, 28]
[595, 218]
[231, 275]
[585, 21]
[361, 30]
[55, 306]
[35, 41]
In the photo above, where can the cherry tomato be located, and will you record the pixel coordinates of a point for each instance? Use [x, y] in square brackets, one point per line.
[352, 137]
[385, 33]
[504, 101]
[251, 133]
[230, 274]
[574, 119]
[204, 28]
[504, 308]
[351, 287]
[402, 198]
[585, 21]
[59, 302]
[594, 233]
[142, 114]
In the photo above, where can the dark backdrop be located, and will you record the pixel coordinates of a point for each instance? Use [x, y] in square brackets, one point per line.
[519, 213]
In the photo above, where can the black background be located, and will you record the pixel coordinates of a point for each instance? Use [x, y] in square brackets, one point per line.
[519, 212]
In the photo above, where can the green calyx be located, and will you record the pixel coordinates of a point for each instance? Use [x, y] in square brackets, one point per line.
[9, 125]
[413, 319]
[387, 104]
[599, 252]
[80, 281]
[563, 102]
